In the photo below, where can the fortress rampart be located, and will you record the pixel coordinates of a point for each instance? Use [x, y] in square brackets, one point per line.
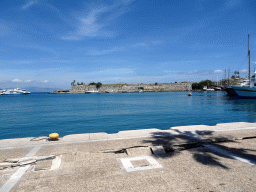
[118, 88]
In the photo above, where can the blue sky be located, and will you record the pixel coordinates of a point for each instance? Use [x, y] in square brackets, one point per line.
[50, 43]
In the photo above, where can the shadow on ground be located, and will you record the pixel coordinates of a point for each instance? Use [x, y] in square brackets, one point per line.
[174, 144]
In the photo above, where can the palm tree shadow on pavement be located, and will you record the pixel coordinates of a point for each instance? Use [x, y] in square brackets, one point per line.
[196, 143]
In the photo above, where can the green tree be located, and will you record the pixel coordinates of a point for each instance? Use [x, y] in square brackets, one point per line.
[201, 84]
[73, 82]
[156, 83]
[98, 85]
[236, 74]
[195, 86]
[93, 83]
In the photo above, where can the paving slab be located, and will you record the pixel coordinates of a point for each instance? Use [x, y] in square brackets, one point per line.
[43, 165]
[4, 143]
[218, 127]
[93, 172]
[228, 135]
[101, 136]
[139, 151]
[14, 153]
[137, 133]
[76, 137]
[191, 170]
[235, 125]
[243, 148]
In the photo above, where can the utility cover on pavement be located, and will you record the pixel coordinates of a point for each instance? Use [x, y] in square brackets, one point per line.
[140, 163]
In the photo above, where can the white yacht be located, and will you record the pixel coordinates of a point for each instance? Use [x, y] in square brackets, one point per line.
[91, 92]
[246, 88]
[244, 83]
[208, 89]
[17, 91]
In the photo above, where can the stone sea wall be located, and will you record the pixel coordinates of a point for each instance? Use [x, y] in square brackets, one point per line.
[118, 88]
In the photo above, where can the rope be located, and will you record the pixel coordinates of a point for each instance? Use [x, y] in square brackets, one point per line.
[38, 138]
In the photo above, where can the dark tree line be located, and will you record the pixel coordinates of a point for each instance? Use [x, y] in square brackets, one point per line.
[201, 84]
[98, 85]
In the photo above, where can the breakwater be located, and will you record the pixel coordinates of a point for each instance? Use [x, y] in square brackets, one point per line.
[118, 88]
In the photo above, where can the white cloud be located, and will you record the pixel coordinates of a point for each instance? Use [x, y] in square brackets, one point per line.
[243, 71]
[27, 81]
[111, 72]
[94, 22]
[45, 81]
[89, 26]
[29, 4]
[193, 72]
[16, 81]
[156, 42]
[140, 44]
[218, 71]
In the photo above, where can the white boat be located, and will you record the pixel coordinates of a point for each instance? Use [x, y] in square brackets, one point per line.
[246, 88]
[111, 91]
[217, 88]
[17, 91]
[129, 91]
[91, 92]
[244, 83]
[208, 89]
[141, 89]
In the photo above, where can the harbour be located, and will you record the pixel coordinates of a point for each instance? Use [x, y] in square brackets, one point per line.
[123, 96]
[39, 114]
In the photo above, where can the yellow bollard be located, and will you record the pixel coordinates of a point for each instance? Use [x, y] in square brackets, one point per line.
[54, 136]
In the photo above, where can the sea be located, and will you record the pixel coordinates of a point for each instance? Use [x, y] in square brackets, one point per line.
[40, 114]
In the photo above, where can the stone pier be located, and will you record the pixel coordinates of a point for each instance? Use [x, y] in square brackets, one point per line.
[187, 158]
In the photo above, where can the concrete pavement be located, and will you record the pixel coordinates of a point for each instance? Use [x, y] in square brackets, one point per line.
[189, 158]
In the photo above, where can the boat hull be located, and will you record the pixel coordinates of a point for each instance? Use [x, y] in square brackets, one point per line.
[12, 93]
[245, 92]
[230, 92]
[92, 92]
[17, 91]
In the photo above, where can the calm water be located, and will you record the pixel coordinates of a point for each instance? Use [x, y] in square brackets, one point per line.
[40, 114]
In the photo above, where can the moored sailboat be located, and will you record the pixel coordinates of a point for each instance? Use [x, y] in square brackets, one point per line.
[247, 88]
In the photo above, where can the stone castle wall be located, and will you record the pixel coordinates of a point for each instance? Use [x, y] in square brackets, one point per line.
[161, 87]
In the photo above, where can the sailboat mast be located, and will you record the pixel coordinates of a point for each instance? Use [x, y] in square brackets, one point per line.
[249, 55]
